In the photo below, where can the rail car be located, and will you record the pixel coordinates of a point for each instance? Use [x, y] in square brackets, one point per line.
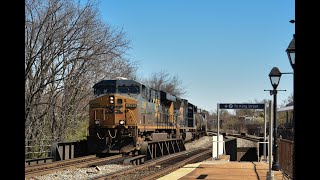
[124, 114]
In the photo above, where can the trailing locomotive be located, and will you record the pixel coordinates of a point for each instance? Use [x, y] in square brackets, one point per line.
[125, 114]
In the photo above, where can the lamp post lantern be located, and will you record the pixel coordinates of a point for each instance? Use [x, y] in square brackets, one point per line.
[275, 76]
[291, 51]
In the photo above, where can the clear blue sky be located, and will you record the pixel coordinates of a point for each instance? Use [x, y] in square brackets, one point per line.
[222, 50]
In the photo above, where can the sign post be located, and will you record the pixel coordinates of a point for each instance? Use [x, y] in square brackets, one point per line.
[237, 106]
[218, 134]
[270, 173]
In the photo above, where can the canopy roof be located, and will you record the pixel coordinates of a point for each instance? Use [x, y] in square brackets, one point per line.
[288, 107]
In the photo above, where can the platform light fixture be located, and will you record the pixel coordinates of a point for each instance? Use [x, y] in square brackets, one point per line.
[275, 76]
[291, 51]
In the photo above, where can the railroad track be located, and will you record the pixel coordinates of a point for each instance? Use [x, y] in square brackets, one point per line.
[251, 138]
[158, 167]
[150, 168]
[86, 161]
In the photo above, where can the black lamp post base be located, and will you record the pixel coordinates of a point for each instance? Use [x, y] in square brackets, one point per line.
[275, 166]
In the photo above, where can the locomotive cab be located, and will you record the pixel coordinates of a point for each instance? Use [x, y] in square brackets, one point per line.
[113, 116]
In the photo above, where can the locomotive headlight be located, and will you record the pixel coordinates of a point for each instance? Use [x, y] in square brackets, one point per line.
[97, 122]
[121, 122]
[111, 99]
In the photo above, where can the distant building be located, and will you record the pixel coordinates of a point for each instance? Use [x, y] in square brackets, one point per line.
[286, 130]
[247, 119]
[288, 109]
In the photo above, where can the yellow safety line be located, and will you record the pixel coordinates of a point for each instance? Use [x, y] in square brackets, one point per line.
[180, 172]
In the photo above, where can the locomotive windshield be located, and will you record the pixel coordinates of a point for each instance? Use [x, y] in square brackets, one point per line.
[128, 89]
[120, 89]
[104, 90]
[116, 86]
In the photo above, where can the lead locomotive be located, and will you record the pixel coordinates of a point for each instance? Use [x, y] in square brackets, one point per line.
[125, 114]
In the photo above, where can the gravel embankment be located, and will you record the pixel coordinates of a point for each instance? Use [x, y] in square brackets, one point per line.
[81, 173]
[203, 142]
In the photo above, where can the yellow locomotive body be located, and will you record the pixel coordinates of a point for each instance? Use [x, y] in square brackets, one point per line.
[124, 114]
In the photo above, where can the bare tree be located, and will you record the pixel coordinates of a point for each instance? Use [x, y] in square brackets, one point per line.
[164, 81]
[67, 49]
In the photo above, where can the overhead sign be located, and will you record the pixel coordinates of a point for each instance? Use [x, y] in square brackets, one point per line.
[241, 106]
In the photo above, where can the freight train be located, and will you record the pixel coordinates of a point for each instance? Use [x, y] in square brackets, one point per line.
[124, 114]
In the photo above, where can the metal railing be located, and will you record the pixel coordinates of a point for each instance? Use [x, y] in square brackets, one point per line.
[40, 148]
[286, 156]
[48, 150]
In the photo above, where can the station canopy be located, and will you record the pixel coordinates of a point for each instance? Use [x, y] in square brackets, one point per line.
[288, 107]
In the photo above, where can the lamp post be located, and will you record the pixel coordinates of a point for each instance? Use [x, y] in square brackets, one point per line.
[275, 76]
[291, 50]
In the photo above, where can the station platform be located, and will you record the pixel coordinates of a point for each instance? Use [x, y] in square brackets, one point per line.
[223, 169]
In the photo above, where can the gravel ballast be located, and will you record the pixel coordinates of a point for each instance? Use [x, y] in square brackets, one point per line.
[88, 173]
